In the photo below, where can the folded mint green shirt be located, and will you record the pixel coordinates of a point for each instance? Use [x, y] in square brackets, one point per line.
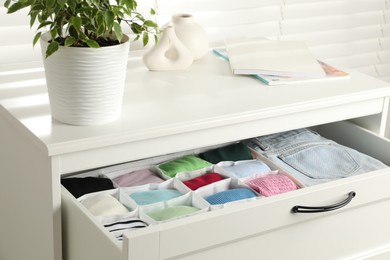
[172, 212]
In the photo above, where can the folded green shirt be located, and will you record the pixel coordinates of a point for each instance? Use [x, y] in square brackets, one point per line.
[172, 212]
[183, 164]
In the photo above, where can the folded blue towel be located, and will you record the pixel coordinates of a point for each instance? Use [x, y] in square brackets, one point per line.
[153, 196]
[243, 169]
[230, 195]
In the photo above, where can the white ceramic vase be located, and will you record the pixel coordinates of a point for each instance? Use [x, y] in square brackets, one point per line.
[168, 54]
[86, 85]
[191, 34]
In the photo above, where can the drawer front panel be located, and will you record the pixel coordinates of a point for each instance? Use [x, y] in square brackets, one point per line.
[349, 235]
[258, 219]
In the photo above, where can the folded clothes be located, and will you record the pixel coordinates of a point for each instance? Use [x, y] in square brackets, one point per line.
[136, 178]
[243, 169]
[172, 212]
[233, 152]
[118, 226]
[272, 184]
[80, 186]
[203, 180]
[104, 205]
[183, 164]
[230, 195]
[153, 196]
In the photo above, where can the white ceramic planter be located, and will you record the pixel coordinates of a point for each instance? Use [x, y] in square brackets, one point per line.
[86, 85]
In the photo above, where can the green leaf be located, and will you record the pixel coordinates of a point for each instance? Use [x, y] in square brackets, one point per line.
[72, 4]
[136, 28]
[150, 23]
[109, 19]
[33, 17]
[50, 3]
[52, 48]
[73, 32]
[15, 7]
[145, 38]
[54, 33]
[44, 24]
[152, 11]
[131, 4]
[69, 41]
[76, 22]
[92, 43]
[100, 30]
[36, 38]
[6, 4]
[61, 3]
[37, 7]
[118, 31]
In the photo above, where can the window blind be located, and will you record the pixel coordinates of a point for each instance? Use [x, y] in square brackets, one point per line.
[346, 33]
[16, 37]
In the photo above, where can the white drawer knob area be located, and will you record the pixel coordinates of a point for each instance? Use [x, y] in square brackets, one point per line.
[254, 190]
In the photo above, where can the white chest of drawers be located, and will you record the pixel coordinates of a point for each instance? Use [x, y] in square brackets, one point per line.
[166, 112]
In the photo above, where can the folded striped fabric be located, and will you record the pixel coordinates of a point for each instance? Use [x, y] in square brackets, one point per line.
[118, 226]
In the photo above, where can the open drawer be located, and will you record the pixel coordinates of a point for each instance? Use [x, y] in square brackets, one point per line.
[266, 228]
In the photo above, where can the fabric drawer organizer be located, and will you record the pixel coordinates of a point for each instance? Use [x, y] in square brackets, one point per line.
[130, 198]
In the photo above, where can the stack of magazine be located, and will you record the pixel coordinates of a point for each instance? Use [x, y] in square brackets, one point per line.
[276, 62]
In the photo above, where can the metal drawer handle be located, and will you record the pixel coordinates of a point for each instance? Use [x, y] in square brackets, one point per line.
[307, 209]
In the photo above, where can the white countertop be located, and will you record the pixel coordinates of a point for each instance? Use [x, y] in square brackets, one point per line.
[165, 103]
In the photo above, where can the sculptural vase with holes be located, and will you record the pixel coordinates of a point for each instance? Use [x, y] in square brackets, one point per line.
[191, 34]
[168, 54]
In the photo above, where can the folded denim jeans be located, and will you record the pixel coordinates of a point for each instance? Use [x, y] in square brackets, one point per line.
[311, 158]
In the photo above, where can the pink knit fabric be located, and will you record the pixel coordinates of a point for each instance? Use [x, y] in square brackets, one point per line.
[272, 184]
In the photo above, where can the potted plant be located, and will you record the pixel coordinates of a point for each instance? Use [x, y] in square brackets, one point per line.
[85, 53]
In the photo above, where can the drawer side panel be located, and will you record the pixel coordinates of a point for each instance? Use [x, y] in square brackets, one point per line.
[83, 237]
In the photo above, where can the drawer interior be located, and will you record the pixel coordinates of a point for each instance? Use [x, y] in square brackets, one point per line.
[80, 223]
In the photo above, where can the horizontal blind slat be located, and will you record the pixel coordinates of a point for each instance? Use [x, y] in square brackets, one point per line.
[337, 36]
[330, 8]
[354, 61]
[20, 53]
[346, 49]
[229, 18]
[214, 5]
[17, 18]
[16, 35]
[331, 23]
